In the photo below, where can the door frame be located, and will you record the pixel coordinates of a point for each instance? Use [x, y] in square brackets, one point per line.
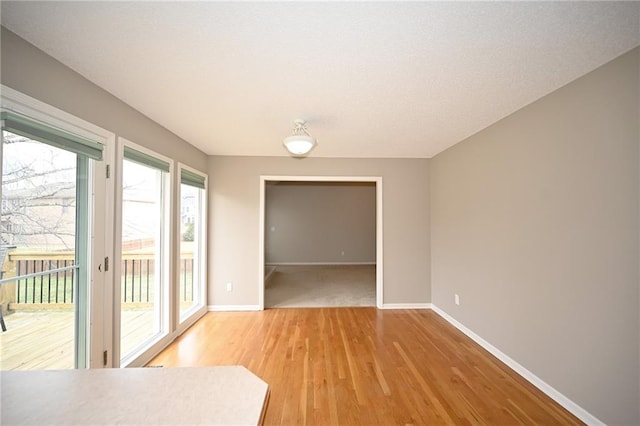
[379, 225]
[101, 222]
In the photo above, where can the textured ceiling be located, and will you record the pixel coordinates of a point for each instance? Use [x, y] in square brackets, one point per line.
[393, 79]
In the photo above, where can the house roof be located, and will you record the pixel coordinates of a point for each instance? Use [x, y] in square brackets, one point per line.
[390, 79]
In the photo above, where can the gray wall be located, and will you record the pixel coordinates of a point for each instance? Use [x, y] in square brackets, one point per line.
[32, 72]
[234, 222]
[320, 222]
[534, 224]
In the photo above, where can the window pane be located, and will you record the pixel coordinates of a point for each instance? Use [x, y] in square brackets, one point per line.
[37, 247]
[142, 257]
[191, 202]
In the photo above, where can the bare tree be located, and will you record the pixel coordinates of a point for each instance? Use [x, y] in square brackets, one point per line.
[38, 194]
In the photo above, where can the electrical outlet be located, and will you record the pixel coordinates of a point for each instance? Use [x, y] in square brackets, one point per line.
[342, 254]
[456, 299]
[229, 286]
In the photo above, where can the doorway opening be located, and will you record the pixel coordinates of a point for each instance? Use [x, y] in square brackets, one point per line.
[346, 260]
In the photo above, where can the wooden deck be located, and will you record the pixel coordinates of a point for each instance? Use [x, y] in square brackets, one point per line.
[43, 340]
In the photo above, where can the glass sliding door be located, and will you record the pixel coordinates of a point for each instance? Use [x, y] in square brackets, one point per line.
[192, 237]
[143, 289]
[45, 245]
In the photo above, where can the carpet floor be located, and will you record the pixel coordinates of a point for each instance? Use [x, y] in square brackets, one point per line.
[321, 286]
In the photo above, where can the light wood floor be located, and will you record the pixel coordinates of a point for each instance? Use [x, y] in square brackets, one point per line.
[331, 366]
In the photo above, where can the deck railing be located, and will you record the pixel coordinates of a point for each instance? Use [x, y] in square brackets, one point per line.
[137, 282]
[56, 287]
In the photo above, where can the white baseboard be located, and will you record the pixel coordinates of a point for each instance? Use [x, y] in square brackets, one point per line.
[406, 306]
[232, 308]
[571, 406]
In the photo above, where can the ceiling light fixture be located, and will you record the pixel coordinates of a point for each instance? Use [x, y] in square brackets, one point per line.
[301, 142]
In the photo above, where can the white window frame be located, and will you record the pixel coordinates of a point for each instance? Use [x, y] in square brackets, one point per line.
[103, 343]
[167, 316]
[196, 312]
[102, 196]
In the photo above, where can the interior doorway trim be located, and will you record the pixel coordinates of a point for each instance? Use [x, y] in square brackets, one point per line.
[379, 224]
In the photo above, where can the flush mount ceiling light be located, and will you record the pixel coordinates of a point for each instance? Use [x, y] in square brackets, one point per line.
[301, 142]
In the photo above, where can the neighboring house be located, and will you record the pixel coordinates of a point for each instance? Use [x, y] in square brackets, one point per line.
[44, 222]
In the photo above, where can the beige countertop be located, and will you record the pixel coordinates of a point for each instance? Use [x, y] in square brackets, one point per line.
[171, 396]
